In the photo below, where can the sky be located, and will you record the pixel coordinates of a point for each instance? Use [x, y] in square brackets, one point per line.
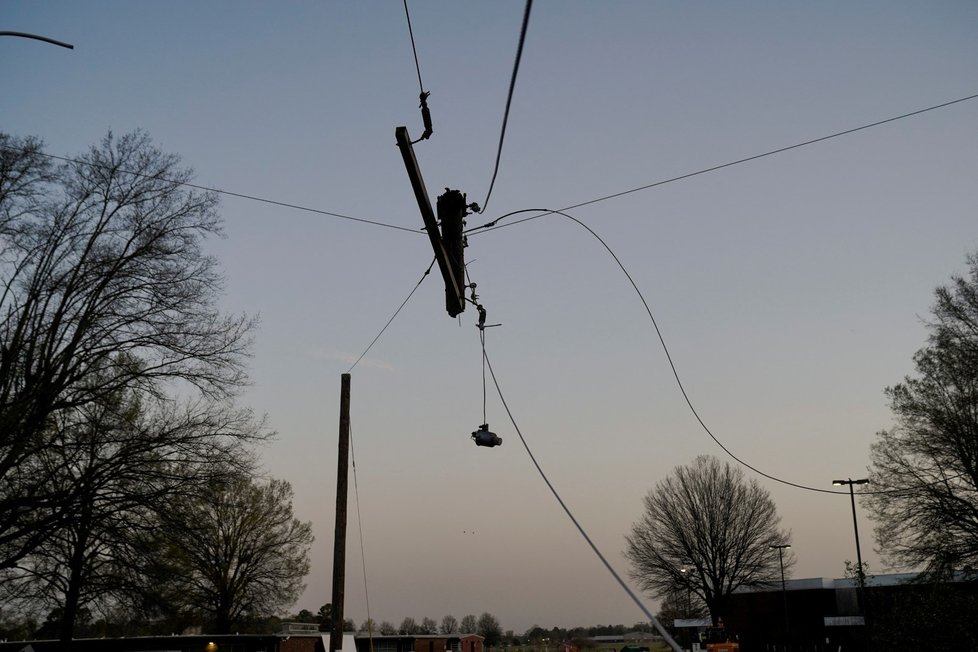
[790, 290]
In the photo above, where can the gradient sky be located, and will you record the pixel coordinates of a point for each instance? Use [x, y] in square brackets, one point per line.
[790, 290]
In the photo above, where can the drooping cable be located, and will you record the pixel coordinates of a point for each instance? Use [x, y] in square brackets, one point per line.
[493, 224]
[570, 515]
[679, 382]
[224, 192]
[396, 312]
[509, 100]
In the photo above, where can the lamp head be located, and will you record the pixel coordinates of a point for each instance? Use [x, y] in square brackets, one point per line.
[483, 437]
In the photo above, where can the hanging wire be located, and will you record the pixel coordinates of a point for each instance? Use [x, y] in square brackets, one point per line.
[396, 312]
[553, 490]
[509, 100]
[482, 338]
[363, 556]
[679, 383]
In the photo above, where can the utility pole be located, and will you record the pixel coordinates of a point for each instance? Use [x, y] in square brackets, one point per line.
[860, 574]
[784, 593]
[339, 539]
[452, 266]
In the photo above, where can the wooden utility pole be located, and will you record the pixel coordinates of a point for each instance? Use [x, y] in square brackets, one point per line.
[339, 539]
[453, 274]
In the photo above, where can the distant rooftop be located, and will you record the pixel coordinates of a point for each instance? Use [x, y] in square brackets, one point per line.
[892, 579]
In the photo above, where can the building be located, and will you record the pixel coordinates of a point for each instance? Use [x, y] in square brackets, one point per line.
[420, 643]
[294, 637]
[824, 614]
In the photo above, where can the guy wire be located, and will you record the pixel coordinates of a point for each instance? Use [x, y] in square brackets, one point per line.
[363, 556]
[396, 312]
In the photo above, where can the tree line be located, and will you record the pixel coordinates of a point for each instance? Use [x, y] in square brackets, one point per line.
[706, 530]
[485, 625]
[130, 497]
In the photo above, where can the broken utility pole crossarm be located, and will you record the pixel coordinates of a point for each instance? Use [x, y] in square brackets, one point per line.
[454, 283]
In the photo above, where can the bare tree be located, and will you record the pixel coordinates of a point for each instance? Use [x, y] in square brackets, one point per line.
[234, 551]
[428, 626]
[104, 286]
[387, 628]
[925, 469]
[489, 629]
[469, 624]
[409, 626]
[124, 459]
[449, 625]
[707, 532]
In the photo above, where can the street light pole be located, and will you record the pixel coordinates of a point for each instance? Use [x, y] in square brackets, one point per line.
[860, 575]
[784, 593]
[689, 597]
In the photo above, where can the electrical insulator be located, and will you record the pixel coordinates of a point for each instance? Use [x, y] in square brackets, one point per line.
[483, 437]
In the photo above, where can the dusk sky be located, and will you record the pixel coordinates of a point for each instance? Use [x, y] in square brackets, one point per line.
[790, 290]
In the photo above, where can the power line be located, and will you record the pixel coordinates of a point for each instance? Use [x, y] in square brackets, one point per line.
[423, 96]
[509, 99]
[570, 514]
[492, 225]
[679, 382]
[396, 312]
[414, 49]
[224, 192]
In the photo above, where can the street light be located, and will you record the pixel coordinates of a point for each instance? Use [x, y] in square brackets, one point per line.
[784, 594]
[689, 598]
[855, 526]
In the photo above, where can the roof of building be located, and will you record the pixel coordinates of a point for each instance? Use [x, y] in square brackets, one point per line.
[808, 584]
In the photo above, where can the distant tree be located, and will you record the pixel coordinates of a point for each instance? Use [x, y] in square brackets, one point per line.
[924, 474]
[579, 637]
[305, 616]
[488, 628]
[387, 628]
[123, 458]
[428, 626]
[234, 550]
[706, 530]
[449, 625]
[368, 625]
[408, 626]
[469, 625]
[349, 625]
[15, 626]
[104, 286]
[325, 617]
